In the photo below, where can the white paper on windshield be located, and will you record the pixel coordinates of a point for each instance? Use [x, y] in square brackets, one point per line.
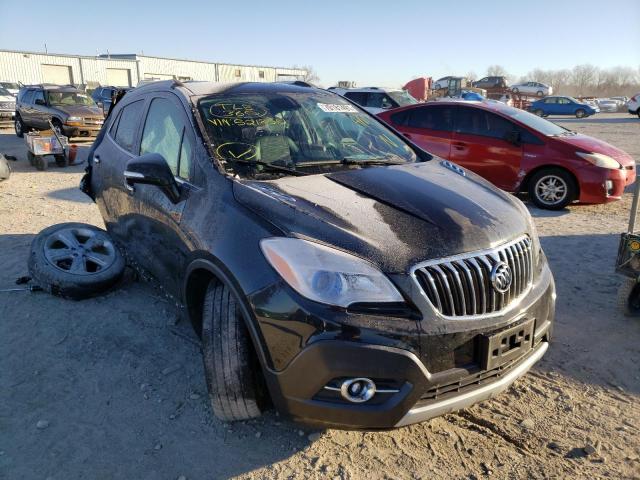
[337, 108]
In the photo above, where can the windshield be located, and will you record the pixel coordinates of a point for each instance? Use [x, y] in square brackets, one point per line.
[402, 97]
[296, 131]
[535, 122]
[5, 92]
[10, 85]
[70, 98]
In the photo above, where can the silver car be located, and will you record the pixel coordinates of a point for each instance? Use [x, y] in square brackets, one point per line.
[532, 88]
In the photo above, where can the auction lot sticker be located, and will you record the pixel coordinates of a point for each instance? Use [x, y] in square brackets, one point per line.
[337, 108]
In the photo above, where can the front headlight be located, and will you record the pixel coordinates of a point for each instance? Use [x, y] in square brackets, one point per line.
[326, 275]
[600, 160]
[74, 119]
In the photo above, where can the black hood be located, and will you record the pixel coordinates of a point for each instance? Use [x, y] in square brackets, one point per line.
[394, 216]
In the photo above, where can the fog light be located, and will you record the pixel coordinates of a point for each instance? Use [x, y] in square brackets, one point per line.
[358, 390]
[608, 185]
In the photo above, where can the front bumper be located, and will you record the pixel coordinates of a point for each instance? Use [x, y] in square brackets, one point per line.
[443, 376]
[81, 130]
[601, 185]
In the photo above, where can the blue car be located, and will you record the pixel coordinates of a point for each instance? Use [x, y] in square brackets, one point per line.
[562, 106]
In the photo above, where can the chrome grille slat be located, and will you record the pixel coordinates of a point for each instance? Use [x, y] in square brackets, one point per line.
[460, 286]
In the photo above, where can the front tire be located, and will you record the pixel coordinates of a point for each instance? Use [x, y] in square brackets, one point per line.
[232, 370]
[540, 93]
[552, 188]
[18, 126]
[539, 112]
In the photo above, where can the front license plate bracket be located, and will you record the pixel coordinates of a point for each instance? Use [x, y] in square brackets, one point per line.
[506, 345]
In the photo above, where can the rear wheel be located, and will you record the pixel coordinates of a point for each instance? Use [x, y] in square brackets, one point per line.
[540, 93]
[580, 113]
[552, 188]
[41, 162]
[19, 126]
[539, 112]
[232, 370]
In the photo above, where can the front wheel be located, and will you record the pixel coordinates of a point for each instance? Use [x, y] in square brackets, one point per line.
[540, 93]
[580, 113]
[19, 126]
[232, 370]
[552, 189]
[539, 112]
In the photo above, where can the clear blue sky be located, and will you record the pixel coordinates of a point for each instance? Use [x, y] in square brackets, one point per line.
[371, 42]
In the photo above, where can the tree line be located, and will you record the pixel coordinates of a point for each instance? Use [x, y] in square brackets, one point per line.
[582, 80]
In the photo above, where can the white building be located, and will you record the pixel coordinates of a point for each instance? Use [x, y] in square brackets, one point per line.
[127, 70]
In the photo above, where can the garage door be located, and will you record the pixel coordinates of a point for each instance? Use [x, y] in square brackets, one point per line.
[119, 77]
[58, 74]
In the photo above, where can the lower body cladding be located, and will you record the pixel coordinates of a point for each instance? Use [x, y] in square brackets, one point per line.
[601, 185]
[353, 384]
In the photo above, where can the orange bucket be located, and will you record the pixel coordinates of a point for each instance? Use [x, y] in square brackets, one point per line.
[73, 150]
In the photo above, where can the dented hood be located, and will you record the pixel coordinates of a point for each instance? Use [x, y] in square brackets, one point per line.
[394, 216]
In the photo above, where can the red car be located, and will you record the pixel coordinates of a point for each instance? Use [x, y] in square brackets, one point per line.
[518, 151]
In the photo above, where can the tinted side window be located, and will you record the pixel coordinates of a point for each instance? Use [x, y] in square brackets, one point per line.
[164, 133]
[400, 118]
[474, 121]
[527, 137]
[127, 126]
[380, 100]
[432, 118]
[359, 97]
[28, 97]
[38, 95]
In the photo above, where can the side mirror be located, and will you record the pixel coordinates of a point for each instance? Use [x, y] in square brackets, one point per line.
[152, 169]
[512, 137]
[100, 104]
[40, 101]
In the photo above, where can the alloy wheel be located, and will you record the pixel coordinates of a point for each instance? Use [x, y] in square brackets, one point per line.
[551, 189]
[80, 251]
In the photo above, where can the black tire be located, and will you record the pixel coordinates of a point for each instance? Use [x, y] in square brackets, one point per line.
[539, 112]
[544, 180]
[65, 260]
[638, 113]
[57, 126]
[629, 297]
[41, 162]
[232, 371]
[580, 113]
[18, 125]
[31, 158]
[61, 161]
[540, 93]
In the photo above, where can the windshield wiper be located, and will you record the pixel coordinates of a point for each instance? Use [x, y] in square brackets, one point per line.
[269, 166]
[351, 161]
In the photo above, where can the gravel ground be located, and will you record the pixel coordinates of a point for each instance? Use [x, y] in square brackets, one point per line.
[113, 387]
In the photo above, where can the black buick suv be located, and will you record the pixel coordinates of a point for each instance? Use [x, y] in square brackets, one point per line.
[331, 267]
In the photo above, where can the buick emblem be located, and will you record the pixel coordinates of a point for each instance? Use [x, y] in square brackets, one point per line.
[501, 277]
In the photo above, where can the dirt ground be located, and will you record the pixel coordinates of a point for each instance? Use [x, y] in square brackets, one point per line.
[112, 387]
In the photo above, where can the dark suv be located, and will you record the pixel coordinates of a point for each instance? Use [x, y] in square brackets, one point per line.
[328, 265]
[72, 112]
[103, 96]
[490, 82]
